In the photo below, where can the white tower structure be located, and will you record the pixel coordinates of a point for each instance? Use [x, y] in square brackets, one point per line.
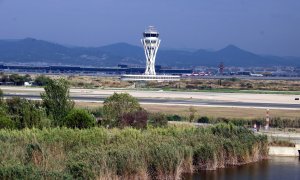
[151, 43]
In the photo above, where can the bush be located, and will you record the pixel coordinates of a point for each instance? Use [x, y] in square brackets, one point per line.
[203, 119]
[174, 118]
[137, 119]
[116, 106]
[25, 113]
[80, 170]
[79, 118]
[6, 123]
[158, 120]
[42, 80]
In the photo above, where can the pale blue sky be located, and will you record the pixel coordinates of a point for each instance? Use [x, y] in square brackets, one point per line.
[260, 26]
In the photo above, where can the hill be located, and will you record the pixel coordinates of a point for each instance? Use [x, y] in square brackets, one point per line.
[30, 50]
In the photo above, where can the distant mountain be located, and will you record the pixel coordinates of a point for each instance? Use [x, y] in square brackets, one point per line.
[37, 51]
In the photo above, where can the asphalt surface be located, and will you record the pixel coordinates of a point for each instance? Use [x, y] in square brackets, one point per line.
[169, 101]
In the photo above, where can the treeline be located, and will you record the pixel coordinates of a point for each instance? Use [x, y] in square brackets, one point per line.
[19, 80]
[100, 153]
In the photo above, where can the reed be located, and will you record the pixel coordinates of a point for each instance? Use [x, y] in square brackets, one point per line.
[99, 153]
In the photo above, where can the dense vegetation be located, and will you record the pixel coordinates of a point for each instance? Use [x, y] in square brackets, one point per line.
[14, 79]
[228, 85]
[275, 122]
[52, 140]
[98, 153]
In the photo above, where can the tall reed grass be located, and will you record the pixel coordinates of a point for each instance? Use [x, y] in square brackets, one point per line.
[98, 153]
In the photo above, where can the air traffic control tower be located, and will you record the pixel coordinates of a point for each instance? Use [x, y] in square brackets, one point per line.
[150, 42]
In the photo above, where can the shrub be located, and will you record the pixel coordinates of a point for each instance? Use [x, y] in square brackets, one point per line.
[116, 106]
[80, 170]
[79, 118]
[158, 120]
[203, 119]
[25, 113]
[6, 122]
[137, 119]
[174, 118]
[34, 154]
[281, 143]
[42, 80]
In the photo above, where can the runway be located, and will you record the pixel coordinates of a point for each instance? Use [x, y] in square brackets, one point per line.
[173, 98]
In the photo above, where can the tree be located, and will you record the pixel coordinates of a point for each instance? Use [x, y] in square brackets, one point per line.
[79, 118]
[57, 101]
[19, 80]
[41, 80]
[25, 113]
[116, 106]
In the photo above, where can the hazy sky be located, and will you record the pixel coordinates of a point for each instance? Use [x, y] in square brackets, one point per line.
[260, 26]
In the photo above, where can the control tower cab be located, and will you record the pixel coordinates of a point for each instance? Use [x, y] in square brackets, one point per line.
[150, 43]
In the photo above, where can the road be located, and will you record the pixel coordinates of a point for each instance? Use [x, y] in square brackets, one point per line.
[271, 101]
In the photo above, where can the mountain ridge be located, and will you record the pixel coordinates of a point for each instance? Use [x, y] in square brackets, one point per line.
[30, 50]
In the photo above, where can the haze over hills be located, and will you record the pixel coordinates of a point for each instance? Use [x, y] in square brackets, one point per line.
[37, 51]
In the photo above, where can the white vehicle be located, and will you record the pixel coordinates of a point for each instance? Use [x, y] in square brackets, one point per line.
[256, 75]
[27, 84]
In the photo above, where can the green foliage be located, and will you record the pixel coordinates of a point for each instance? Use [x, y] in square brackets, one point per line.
[6, 122]
[192, 113]
[79, 118]
[275, 122]
[158, 120]
[115, 106]
[97, 112]
[100, 153]
[136, 119]
[42, 80]
[1, 96]
[17, 79]
[203, 119]
[34, 154]
[174, 118]
[281, 143]
[80, 170]
[20, 172]
[25, 113]
[57, 101]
